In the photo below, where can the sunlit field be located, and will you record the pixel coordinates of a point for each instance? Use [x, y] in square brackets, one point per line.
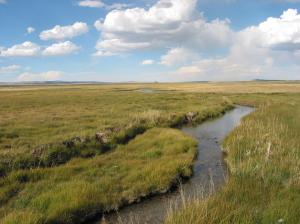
[263, 155]
[68, 152]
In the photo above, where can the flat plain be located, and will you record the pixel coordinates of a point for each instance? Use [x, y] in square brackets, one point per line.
[70, 151]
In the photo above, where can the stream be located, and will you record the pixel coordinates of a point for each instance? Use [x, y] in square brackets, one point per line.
[210, 172]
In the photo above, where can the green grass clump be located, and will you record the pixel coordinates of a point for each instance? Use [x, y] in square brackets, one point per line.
[149, 164]
[264, 158]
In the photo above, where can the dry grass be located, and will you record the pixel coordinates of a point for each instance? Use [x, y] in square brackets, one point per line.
[149, 164]
[205, 87]
[263, 152]
[264, 158]
[42, 117]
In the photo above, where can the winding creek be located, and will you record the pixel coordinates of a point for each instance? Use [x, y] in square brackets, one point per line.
[210, 172]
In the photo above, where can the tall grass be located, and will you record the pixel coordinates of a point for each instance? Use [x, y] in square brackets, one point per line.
[150, 164]
[35, 123]
[264, 159]
[48, 180]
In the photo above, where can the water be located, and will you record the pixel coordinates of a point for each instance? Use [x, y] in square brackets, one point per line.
[210, 172]
[147, 90]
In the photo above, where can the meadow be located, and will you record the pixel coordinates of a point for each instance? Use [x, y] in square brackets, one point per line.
[56, 169]
[150, 164]
[263, 155]
[49, 126]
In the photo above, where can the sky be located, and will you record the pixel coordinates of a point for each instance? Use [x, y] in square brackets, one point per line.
[149, 40]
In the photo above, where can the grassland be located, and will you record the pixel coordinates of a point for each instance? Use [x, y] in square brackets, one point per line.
[149, 164]
[54, 169]
[39, 185]
[264, 159]
[37, 125]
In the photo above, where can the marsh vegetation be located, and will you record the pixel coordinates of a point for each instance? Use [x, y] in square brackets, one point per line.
[56, 169]
[264, 160]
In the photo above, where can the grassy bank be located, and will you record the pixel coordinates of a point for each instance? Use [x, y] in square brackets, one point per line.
[264, 158]
[47, 126]
[150, 164]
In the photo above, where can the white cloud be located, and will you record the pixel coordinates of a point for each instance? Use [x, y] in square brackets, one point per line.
[224, 69]
[98, 25]
[271, 43]
[25, 49]
[65, 32]
[61, 48]
[148, 62]
[100, 4]
[268, 50]
[168, 23]
[44, 76]
[91, 3]
[283, 32]
[117, 46]
[177, 56]
[117, 6]
[2, 1]
[219, 69]
[177, 25]
[30, 30]
[9, 69]
[29, 49]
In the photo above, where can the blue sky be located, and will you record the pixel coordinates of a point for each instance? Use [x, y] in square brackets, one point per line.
[149, 40]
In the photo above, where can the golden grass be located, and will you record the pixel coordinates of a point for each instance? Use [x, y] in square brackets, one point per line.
[263, 152]
[264, 158]
[149, 164]
[38, 117]
[203, 87]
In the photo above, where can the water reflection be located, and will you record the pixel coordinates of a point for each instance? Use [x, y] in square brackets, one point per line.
[210, 172]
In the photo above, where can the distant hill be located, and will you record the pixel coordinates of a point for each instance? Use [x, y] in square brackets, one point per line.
[52, 83]
[274, 80]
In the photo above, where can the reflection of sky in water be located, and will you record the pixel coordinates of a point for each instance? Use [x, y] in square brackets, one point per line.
[219, 128]
[207, 168]
[147, 90]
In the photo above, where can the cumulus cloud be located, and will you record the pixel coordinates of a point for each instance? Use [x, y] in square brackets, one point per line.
[168, 23]
[177, 56]
[98, 25]
[25, 49]
[219, 69]
[29, 49]
[186, 35]
[283, 32]
[118, 6]
[61, 48]
[223, 69]
[118, 46]
[91, 3]
[272, 42]
[100, 4]
[65, 32]
[9, 69]
[30, 30]
[44, 76]
[265, 50]
[148, 62]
